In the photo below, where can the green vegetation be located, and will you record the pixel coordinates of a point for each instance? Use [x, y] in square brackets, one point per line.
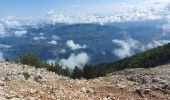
[87, 72]
[150, 58]
[77, 73]
[32, 60]
[26, 75]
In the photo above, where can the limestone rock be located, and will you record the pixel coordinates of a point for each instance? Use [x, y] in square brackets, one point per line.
[130, 84]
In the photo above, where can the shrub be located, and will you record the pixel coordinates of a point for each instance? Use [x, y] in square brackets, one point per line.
[26, 75]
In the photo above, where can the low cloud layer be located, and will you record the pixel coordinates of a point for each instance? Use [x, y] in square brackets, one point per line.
[126, 49]
[128, 46]
[154, 44]
[74, 46]
[75, 60]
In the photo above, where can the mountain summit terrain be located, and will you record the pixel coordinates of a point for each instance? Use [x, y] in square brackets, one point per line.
[23, 82]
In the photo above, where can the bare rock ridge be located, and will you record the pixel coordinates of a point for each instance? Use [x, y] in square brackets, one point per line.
[22, 82]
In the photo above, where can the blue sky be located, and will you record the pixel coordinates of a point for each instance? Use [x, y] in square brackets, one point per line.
[22, 8]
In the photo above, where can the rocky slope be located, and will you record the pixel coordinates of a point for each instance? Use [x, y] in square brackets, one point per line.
[22, 82]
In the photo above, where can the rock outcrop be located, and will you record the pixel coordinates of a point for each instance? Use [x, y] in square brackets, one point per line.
[22, 82]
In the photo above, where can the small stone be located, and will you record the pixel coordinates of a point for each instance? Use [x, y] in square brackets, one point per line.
[15, 99]
[146, 91]
[33, 91]
[105, 98]
[1, 83]
[9, 96]
[29, 98]
[114, 98]
[147, 79]
[84, 90]
[2, 98]
[90, 90]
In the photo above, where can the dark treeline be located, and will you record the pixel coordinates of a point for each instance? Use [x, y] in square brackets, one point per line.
[29, 58]
[32, 60]
[151, 58]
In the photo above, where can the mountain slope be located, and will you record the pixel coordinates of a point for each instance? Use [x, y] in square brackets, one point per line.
[22, 82]
[49, 41]
[151, 58]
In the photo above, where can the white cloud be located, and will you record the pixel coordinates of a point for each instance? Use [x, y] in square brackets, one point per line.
[118, 12]
[166, 28]
[53, 42]
[4, 46]
[55, 37]
[41, 33]
[74, 46]
[127, 47]
[154, 44]
[2, 30]
[52, 61]
[11, 22]
[20, 22]
[20, 33]
[75, 60]
[63, 51]
[39, 38]
[51, 12]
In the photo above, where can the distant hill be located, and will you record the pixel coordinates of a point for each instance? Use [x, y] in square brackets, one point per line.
[151, 58]
[49, 41]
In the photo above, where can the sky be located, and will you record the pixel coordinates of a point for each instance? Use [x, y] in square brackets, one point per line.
[21, 8]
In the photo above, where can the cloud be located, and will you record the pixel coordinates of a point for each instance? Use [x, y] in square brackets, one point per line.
[123, 11]
[168, 7]
[127, 47]
[74, 46]
[20, 33]
[55, 37]
[75, 60]
[4, 46]
[53, 42]
[52, 61]
[166, 28]
[11, 22]
[154, 44]
[51, 12]
[16, 26]
[63, 51]
[39, 38]
[2, 30]
[41, 33]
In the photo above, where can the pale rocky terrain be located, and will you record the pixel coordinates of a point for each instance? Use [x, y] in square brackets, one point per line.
[130, 84]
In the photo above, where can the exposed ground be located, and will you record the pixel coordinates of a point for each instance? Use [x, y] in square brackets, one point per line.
[22, 82]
